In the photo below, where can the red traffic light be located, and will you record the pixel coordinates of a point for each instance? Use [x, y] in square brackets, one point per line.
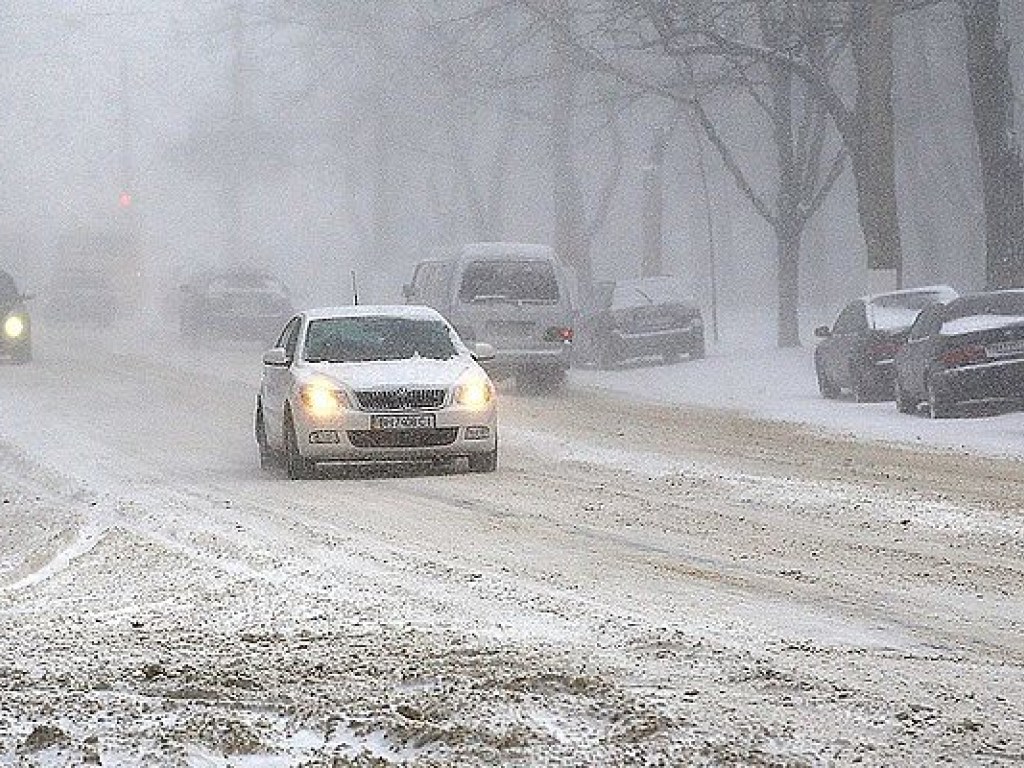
[124, 200]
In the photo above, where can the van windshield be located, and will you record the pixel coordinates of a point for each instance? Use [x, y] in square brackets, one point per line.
[526, 281]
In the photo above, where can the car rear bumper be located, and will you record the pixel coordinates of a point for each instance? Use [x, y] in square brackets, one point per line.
[656, 342]
[998, 379]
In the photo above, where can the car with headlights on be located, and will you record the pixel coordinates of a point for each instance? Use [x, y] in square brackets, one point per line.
[967, 351]
[857, 353]
[638, 319]
[374, 384]
[15, 324]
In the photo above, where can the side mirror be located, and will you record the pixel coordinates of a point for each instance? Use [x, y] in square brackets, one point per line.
[276, 357]
[822, 331]
[408, 291]
[482, 351]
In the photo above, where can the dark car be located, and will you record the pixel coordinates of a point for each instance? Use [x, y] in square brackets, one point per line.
[235, 303]
[969, 350]
[856, 354]
[638, 319]
[16, 328]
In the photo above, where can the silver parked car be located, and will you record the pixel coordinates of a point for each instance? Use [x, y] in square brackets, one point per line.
[374, 384]
[514, 296]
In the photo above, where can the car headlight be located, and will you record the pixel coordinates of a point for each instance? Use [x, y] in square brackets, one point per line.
[322, 399]
[14, 326]
[475, 392]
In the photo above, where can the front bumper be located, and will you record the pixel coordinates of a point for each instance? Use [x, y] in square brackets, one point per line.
[458, 432]
[994, 380]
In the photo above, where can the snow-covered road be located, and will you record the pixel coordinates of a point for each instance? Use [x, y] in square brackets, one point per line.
[639, 584]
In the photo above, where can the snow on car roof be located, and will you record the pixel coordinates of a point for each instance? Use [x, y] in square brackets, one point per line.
[406, 311]
[502, 250]
[945, 290]
[973, 323]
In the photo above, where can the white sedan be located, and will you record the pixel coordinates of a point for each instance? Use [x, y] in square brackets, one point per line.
[374, 384]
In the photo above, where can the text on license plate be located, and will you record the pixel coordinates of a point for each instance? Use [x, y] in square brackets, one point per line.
[1005, 348]
[402, 421]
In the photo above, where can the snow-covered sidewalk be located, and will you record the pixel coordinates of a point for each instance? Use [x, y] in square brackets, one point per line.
[780, 385]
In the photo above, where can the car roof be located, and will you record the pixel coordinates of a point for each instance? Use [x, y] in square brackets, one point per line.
[946, 289]
[504, 250]
[405, 311]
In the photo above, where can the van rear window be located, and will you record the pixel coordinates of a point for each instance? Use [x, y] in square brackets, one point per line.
[515, 281]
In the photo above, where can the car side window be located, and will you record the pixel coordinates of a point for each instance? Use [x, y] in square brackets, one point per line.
[851, 320]
[927, 322]
[290, 336]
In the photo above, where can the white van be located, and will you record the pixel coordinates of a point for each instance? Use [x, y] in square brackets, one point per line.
[514, 296]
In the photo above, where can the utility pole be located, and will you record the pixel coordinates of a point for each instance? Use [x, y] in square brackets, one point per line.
[233, 182]
[129, 261]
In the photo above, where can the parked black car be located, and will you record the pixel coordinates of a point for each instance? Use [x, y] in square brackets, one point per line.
[856, 354]
[16, 328]
[969, 350]
[235, 303]
[636, 319]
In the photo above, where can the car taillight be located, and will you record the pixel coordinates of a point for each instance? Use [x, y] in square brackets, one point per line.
[558, 334]
[966, 355]
[882, 350]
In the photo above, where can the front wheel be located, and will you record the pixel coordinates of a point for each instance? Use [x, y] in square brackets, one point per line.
[827, 389]
[939, 406]
[267, 458]
[904, 404]
[484, 462]
[297, 466]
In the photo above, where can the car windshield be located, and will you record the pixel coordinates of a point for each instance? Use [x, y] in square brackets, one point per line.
[8, 290]
[527, 281]
[652, 290]
[377, 337]
[899, 310]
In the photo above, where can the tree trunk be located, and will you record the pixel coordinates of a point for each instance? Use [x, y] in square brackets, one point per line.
[1002, 176]
[570, 235]
[652, 262]
[872, 141]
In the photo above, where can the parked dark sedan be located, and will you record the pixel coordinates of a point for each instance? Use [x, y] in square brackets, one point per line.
[235, 303]
[969, 350]
[641, 318]
[16, 328]
[856, 354]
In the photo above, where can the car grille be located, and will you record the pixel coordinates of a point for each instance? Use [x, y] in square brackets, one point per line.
[400, 399]
[402, 438]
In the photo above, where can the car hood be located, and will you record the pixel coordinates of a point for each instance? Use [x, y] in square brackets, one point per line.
[416, 373]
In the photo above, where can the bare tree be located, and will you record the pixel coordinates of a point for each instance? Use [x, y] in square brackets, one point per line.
[1002, 172]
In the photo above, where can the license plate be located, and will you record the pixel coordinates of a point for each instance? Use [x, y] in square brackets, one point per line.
[1005, 348]
[402, 421]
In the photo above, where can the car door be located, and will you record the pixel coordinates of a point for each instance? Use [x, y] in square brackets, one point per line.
[847, 334]
[276, 382]
[916, 356]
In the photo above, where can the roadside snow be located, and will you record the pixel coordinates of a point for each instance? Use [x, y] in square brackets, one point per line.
[779, 384]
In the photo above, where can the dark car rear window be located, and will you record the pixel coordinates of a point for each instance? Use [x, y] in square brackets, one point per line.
[1011, 304]
[518, 281]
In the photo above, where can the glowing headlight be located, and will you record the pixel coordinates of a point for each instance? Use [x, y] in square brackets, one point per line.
[14, 326]
[322, 399]
[475, 392]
